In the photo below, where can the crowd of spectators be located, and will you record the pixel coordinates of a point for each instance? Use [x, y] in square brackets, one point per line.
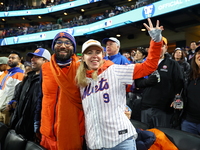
[22, 6]
[76, 21]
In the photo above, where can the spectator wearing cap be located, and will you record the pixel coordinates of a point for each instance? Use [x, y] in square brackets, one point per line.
[193, 46]
[112, 50]
[61, 119]
[191, 119]
[159, 94]
[8, 83]
[3, 66]
[102, 85]
[26, 96]
[179, 56]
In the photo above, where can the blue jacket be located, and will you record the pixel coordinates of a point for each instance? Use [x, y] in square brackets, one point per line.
[145, 139]
[118, 59]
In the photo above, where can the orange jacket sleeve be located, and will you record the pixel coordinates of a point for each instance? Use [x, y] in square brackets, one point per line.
[162, 142]
[151, 63]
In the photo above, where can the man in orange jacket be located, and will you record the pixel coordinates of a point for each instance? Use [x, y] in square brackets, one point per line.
[62, 118]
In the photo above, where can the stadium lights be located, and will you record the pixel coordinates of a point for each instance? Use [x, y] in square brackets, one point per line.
[143, 29]
[118, 35]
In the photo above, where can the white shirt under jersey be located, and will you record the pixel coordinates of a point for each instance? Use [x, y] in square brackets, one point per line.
[104, 102]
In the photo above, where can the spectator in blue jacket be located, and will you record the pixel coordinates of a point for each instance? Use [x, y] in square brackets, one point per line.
[112, 50]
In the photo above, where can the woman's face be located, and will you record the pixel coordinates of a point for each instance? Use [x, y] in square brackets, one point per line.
[93, 57]
[197, 58]
[138, 56]
[178, 54]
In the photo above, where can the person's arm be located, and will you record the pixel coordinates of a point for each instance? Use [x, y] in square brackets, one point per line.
[146, 82]
[151, 63]
[12, 104]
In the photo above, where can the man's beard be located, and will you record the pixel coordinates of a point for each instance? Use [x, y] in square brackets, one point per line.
[12, 65]
[63, 58]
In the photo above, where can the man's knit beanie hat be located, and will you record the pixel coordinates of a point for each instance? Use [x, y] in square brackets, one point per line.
[64, 35]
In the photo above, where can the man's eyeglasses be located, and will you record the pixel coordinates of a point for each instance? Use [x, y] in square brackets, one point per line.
[66, 43]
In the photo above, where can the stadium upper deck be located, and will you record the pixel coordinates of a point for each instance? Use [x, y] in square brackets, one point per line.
[174, 15]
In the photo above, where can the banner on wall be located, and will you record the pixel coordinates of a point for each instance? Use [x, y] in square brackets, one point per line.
[155, 9]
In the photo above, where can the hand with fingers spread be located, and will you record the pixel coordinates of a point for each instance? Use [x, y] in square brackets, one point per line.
[154, 32]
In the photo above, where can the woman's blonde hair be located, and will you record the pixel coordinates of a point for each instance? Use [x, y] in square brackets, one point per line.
[81, 72]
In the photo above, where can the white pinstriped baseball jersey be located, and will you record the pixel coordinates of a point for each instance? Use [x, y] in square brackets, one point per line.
[104, 102]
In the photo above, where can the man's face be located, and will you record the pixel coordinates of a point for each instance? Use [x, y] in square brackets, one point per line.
[193, 45]
[63, 49]
[37, 62]
[112, 48]
[13, 60]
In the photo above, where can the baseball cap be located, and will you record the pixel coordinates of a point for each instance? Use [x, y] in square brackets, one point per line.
[105, 40]
[164, 40]
[41, 52]
[89, 43]
[3, 60]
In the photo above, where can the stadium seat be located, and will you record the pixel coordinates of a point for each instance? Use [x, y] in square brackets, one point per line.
[33, 146]
[183, 140]
[13, 141]
[139, 125]
[3, 131]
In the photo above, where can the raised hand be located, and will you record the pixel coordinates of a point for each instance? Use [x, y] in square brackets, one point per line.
[150, 27]
[154, 32]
